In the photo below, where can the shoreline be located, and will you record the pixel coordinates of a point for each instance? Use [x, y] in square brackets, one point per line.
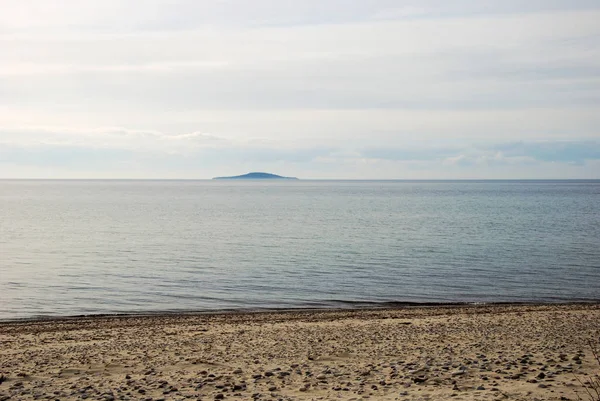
[460, 352]
[358, 307]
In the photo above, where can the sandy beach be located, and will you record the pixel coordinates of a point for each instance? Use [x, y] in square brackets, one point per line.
[501, 352]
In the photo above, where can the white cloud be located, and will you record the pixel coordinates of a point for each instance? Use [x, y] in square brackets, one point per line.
[184, 76]
[16, 69]
[116, 138]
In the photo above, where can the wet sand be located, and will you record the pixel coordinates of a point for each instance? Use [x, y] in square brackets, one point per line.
[501, 352]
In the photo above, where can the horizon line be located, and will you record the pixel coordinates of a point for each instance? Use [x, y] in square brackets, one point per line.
[303, 179]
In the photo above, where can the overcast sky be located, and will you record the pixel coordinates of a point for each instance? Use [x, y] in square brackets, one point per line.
[309, 88]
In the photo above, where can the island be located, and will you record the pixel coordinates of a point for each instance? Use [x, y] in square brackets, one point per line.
[256, 176]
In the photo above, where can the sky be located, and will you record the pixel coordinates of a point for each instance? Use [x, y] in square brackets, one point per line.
[378, 89]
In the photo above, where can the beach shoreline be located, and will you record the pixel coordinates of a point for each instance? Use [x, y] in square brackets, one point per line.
[352, 307]
[458, 351]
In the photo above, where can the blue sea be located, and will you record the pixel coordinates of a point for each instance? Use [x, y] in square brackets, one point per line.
[97, 247]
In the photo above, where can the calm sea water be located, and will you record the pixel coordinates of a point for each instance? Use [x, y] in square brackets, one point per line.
[87, 247]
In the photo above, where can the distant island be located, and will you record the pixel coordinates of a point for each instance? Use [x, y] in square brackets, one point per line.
[256, 176]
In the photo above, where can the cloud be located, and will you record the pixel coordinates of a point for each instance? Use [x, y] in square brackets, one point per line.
[115, 149]
[408, 154]
[107, 138]
[561, 152]
[28, 69]
[477, 63]
[524, 153]
[379, 87]
[198, 152]
[487, 159]
[165, 15]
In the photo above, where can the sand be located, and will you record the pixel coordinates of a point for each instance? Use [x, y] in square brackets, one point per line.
[501, 352]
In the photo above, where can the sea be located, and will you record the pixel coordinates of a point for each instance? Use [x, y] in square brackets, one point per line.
[85, 247]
